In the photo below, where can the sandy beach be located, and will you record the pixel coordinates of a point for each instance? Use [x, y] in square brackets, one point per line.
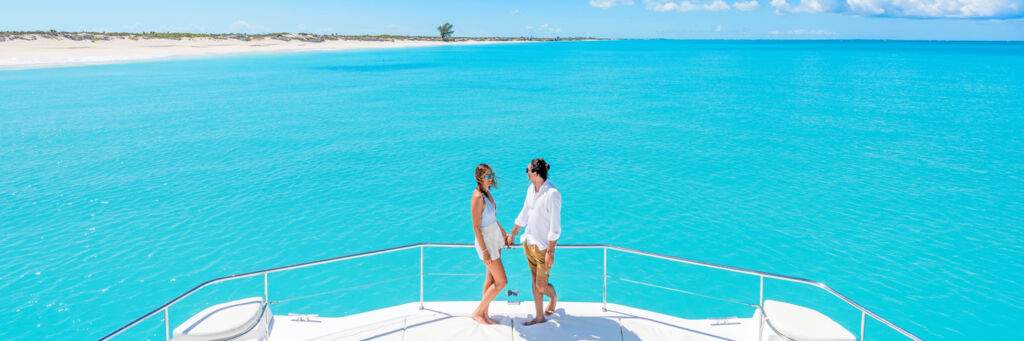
[51, 52]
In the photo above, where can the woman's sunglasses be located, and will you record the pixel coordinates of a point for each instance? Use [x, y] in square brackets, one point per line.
[489, 177]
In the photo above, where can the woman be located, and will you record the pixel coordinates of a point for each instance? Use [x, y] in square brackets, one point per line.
[490, 238]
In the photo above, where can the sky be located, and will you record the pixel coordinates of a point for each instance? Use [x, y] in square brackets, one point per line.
[669, 19]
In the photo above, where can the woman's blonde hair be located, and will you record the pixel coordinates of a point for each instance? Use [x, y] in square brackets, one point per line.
[481, 170]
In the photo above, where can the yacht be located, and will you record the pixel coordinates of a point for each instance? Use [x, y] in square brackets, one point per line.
[611, 293]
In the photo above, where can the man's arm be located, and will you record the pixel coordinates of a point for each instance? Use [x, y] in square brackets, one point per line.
[549, 254]
[555, 227]
[555, 212]
[521, 219]
[510, 238]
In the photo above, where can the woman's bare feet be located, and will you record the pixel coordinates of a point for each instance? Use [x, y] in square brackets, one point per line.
[490, 320]
[481, 319]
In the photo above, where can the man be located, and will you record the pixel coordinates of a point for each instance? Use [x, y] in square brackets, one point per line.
[542, 217]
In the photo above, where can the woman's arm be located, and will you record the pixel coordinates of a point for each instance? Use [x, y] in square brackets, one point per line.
[502, 229]
[476, 208]
[504, 236]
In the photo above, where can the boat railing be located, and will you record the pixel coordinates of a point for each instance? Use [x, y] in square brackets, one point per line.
[864, 312]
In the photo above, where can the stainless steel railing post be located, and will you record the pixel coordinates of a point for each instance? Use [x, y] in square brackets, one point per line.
[862, 325]
[760, 306]
[266, 296]
[421, 277]
[167, 326]
[604, 277]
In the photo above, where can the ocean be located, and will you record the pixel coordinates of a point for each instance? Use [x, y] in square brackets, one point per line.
[892, 171]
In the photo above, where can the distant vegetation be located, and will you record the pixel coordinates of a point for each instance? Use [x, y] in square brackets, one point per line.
[446, 31]
[309, 37]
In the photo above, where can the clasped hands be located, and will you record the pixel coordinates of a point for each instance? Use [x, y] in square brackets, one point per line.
[510, 240]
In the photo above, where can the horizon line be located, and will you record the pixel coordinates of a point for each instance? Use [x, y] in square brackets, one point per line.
[492, 37]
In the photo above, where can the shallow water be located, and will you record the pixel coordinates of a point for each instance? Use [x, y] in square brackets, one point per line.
[891, 171]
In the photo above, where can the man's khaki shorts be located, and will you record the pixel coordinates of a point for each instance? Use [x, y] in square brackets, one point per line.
[535, 257]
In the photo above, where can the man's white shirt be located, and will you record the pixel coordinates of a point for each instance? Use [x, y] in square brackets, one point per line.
[541, 215]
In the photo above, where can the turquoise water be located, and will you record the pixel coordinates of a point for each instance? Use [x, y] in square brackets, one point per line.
[892, 171]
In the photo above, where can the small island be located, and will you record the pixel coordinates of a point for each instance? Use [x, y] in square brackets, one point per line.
[30, 49]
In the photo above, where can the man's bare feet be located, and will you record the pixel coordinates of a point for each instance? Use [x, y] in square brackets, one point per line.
[539, 319]
[551, 309]
[551, 304]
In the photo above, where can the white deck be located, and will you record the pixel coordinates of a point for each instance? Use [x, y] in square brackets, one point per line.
[451, 321]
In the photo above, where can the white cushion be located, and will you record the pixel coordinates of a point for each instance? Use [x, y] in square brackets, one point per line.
[804, 324]
[222, 321]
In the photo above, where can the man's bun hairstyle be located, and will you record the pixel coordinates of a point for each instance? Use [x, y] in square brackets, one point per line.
[540, 167]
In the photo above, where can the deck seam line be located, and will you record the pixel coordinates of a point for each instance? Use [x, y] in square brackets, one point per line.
[622, 336]
[405, 326]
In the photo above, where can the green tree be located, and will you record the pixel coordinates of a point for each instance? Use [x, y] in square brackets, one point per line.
[446, 31]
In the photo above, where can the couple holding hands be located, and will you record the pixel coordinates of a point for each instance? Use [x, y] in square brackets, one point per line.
[541, 215]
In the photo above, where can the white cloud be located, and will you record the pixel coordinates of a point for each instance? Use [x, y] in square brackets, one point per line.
[745, 5]
[970, 9]
[810, 6]
[189, 28]
[606, 4]
[685, 6]
[515, 11]
[300, 27]
[718, 5]
[803, 32]
[718, 28]
[548, 29]
[976, 9]
[544, 29]
[244, 27]
[812, 32]
[781, 6]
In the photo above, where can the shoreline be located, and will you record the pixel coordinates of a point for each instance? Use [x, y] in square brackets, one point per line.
[46, 50]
